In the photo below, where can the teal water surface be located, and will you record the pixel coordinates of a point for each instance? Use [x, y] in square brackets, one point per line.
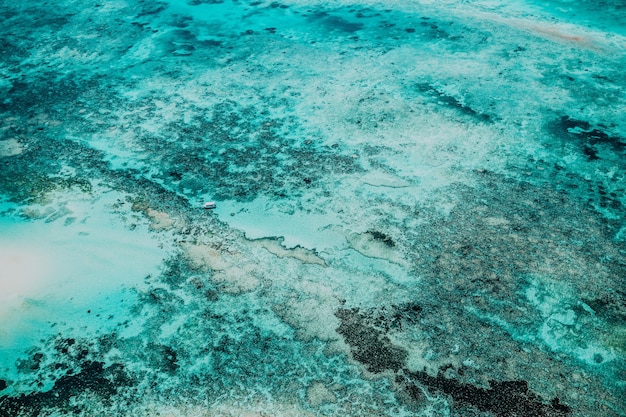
[419, 208]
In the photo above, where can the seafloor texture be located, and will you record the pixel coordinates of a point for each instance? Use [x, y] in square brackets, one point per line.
[420, 208]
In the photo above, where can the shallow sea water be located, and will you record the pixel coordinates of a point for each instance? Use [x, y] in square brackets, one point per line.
[420, 208]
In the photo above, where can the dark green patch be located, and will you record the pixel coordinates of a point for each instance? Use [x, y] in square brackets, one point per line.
[30, 364]
[434, 32]
[407, 314]
[176, 270]
[588, 136]
[452, 102]
[238, 153]
[198, 2]
[336, 22]
[164, 358]
[368, 344]
[93, 377]
[149, 8]
[380, 236]
[181, 21]
[612, 309]
[502, 399]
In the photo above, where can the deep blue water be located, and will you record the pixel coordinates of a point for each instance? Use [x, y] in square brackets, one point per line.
[419, 208]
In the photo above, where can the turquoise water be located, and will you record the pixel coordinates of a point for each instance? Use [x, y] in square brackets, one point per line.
[420, 208]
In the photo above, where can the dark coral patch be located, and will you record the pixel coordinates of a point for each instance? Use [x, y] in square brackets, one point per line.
[589, 136]
[238, 153]
[611, 308]
[369, 345]
[502, 399]
[199, 2]
[380, 236]
[336, 22]
[94, 377]
[452, 103]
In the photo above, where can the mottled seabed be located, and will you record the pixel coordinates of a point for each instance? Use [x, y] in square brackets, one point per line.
[420, 208]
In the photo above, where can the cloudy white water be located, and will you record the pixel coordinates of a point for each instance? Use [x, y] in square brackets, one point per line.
[419, 208]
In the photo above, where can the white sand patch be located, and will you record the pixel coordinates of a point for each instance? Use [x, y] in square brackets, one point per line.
[496, 221]
[11, 147]
[204, 256]
[159, 220]
[52, 265]
[234, 272]
[227, 408]
[59, 271]
[313, 318]
[264, 218]
[575, 36]
[70, 54]
[24, 272]
[142, 50]
[317, 394]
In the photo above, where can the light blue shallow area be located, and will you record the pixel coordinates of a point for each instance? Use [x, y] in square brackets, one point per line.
[419, 208]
